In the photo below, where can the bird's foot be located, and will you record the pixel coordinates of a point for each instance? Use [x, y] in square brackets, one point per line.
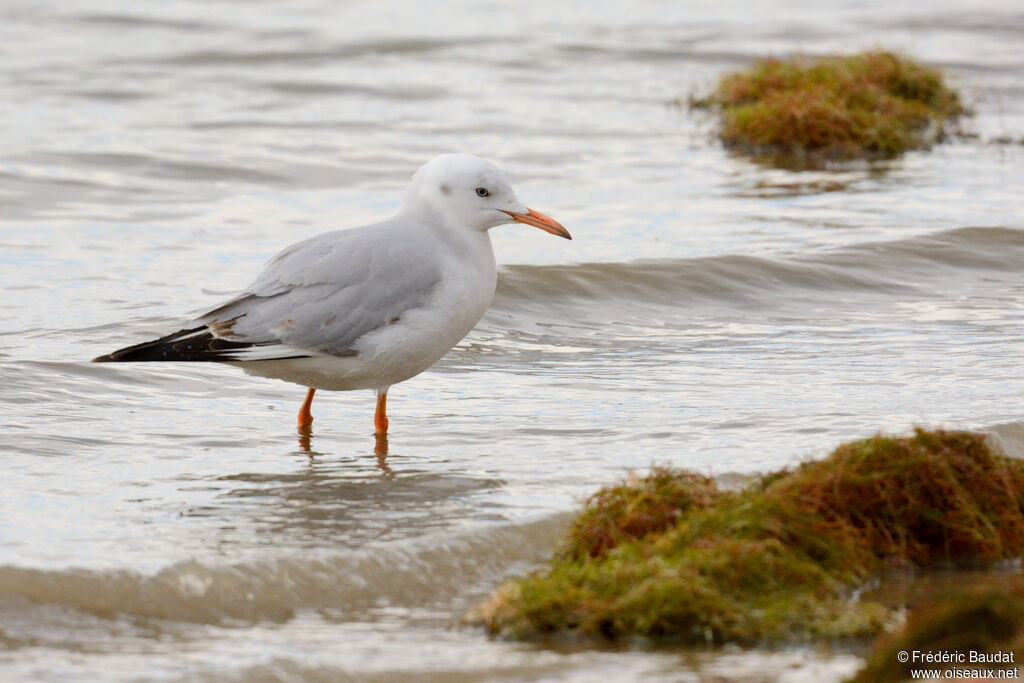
[305, 412]
[380, 446]
[306, 437]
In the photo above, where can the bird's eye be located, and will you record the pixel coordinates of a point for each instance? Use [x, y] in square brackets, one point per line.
[482, 192]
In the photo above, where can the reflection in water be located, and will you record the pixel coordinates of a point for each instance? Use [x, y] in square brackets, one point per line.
[380, 445]
[343, 500]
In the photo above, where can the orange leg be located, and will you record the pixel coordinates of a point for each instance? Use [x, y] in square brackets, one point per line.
[305, 416]
[380, 418]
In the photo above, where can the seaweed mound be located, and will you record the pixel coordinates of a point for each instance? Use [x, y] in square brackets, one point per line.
[672, 556]
[868, 105]
[987, 617]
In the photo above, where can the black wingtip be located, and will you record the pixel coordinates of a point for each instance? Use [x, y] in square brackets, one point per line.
[196, 344]
[160, 349]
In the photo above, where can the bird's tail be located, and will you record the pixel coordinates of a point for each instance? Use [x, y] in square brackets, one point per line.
[196, 344]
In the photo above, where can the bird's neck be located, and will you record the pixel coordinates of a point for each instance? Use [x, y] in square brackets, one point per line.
[457, 235]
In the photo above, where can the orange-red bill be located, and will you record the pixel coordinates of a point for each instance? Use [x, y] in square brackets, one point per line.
[539, 220]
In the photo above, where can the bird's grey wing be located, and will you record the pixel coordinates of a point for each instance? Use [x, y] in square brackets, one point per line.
[321, 295]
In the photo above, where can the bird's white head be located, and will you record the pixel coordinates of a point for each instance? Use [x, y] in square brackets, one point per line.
[462, 190]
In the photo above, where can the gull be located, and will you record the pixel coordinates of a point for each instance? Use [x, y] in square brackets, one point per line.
[366, 307]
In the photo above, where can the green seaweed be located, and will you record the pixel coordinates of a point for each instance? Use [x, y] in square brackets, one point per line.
[869, 105]
[671, 556]
[985, 616]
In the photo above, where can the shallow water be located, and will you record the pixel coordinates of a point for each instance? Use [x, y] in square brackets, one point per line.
[164, 522]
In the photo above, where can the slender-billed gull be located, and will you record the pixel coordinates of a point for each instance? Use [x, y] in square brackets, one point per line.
[367, 307]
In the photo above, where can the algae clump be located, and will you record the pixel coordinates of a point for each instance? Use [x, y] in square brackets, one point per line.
[984, 617]
[672, 556]
[869, 105]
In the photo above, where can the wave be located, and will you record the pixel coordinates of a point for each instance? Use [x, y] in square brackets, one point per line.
[895, 266]
[430, 570]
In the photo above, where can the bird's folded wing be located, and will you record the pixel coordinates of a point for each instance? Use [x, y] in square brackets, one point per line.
[321, 295]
